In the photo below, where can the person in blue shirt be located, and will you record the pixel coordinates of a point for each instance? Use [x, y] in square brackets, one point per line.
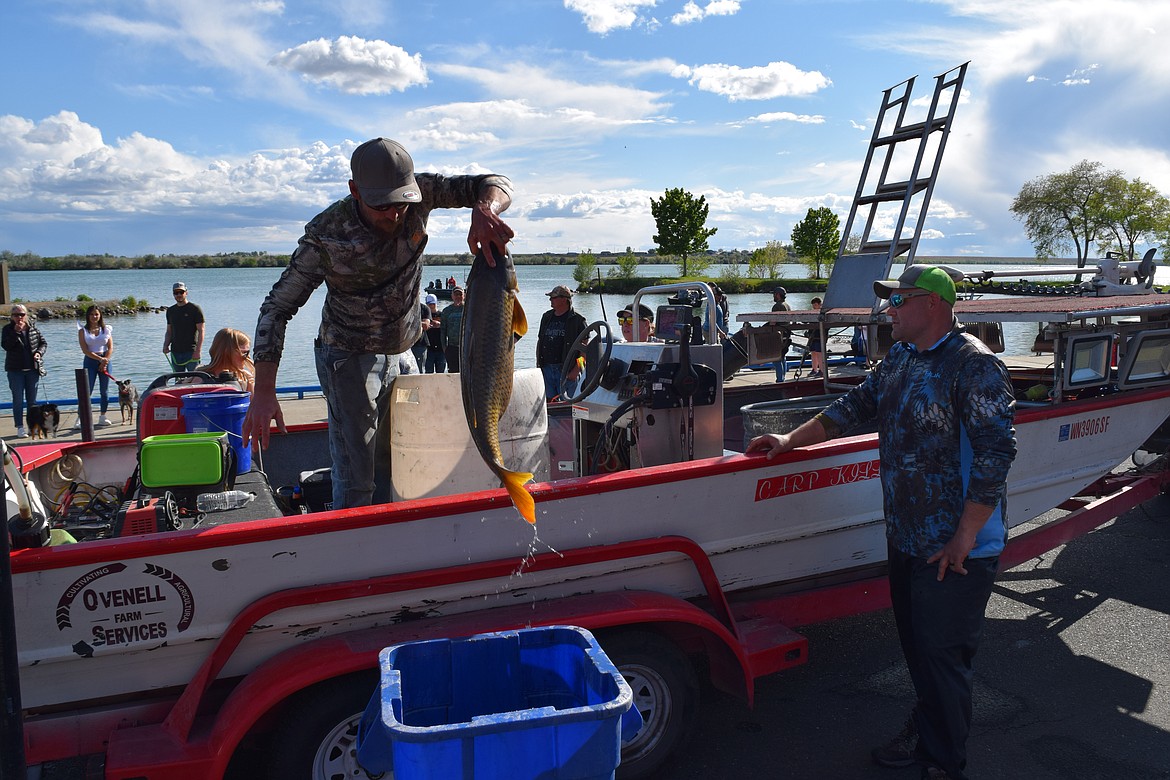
[780, 303]
[944, 406]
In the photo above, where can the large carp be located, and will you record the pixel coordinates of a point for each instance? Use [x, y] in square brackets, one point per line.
[492, 321]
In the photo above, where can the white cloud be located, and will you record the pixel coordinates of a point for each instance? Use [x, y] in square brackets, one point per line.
[787, 116]
[603, 16]
[776, 79]
[62, 160]
[354, 65]
[692, 12]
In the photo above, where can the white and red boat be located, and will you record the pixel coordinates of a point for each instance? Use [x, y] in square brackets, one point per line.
[241, 626]
[170, 642]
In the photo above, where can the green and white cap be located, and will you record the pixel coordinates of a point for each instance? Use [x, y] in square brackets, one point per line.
[919, 277]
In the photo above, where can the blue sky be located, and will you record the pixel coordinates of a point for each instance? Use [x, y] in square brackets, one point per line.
[157, 126]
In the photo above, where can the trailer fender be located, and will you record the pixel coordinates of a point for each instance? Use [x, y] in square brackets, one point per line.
[266, 689]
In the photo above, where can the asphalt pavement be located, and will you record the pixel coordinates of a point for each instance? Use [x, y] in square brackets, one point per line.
[1072, 679]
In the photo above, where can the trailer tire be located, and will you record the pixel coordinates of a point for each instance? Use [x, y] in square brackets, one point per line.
[666, 693]
[316, 738]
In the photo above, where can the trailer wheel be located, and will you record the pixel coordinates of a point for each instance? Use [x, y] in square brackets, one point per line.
[316, 738]
[666, 693]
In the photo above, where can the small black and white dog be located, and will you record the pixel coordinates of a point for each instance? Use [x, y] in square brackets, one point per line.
[43, 419]
[127, 400]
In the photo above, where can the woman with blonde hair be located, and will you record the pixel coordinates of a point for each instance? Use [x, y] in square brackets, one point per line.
[231, 355]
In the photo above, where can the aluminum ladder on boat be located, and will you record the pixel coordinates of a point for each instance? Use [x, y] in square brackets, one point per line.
[851, 281]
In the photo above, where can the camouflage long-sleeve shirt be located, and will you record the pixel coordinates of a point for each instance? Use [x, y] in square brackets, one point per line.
[945, 436]
[373, 282]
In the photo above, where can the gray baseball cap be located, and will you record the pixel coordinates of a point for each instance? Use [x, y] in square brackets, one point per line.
[384, 173]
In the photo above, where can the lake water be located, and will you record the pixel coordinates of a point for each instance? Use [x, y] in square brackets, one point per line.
[232, 297]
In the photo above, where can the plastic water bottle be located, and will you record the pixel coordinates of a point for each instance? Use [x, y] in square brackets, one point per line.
[218, 502]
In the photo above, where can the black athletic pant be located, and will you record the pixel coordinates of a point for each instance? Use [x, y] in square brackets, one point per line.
[939, 626]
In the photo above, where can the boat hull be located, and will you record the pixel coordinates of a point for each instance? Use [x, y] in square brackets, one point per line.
[91, 615]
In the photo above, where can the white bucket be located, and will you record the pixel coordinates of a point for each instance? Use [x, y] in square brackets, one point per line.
[431, 451]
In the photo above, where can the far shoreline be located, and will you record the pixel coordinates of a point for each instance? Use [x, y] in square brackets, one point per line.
[30, 263]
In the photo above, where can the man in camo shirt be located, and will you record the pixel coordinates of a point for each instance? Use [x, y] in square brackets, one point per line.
[944, 406]
[368, 250]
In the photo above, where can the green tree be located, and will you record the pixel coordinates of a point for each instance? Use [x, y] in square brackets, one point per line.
[1137, 214]
[681, 221]
[585, 270]
[765, 262]
[627, 266]
[1063, 210]
[816, 238]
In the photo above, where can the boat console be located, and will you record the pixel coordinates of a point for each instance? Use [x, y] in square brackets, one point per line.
[654, 402]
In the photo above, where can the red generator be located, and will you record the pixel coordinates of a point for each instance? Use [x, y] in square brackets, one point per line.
[160, 411]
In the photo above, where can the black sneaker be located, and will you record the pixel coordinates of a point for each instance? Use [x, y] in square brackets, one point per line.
[899, 751]
[934, 773]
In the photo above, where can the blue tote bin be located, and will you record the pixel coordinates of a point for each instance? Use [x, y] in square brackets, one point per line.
[212, 412]
[535, 703]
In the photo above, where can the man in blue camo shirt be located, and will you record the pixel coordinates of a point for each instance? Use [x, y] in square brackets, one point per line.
[944, 406]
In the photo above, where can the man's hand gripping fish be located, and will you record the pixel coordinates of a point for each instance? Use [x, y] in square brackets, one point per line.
[492, 321]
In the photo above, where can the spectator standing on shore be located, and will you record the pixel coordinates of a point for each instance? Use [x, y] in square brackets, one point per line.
[24, 348]
[436, 347]
[780, 303]
[96, 339]
[184, 340]
[453, 329]
[559, 328]
[419, 348]
[367, 249]
[815, 348]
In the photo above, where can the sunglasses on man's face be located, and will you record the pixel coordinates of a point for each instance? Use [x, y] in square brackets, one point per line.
[898, 299]
[399, 207]
[180, 293]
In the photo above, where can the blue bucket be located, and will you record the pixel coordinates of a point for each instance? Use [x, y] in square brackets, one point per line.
[212, 412]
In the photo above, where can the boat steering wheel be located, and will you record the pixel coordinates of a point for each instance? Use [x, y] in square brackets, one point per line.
[595, 344]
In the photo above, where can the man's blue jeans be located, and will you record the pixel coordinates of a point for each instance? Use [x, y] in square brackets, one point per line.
[356, 386]
[552, 380]
[182, 361]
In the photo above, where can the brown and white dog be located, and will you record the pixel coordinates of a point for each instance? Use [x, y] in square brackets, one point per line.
[43, 419]
[127, 400]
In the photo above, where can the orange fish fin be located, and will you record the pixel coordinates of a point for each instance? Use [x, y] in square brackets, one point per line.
[514, 483]
[519, 320]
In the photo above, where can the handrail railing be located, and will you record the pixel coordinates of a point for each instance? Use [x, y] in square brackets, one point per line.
[299, 390]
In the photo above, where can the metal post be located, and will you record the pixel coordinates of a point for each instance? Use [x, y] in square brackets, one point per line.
[84, 407]
[12, 766]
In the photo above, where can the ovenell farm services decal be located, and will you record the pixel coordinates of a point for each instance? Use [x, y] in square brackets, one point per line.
[114, 605]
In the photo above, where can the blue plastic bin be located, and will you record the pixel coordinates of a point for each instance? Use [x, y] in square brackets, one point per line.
[211, 412]
[536, 703]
